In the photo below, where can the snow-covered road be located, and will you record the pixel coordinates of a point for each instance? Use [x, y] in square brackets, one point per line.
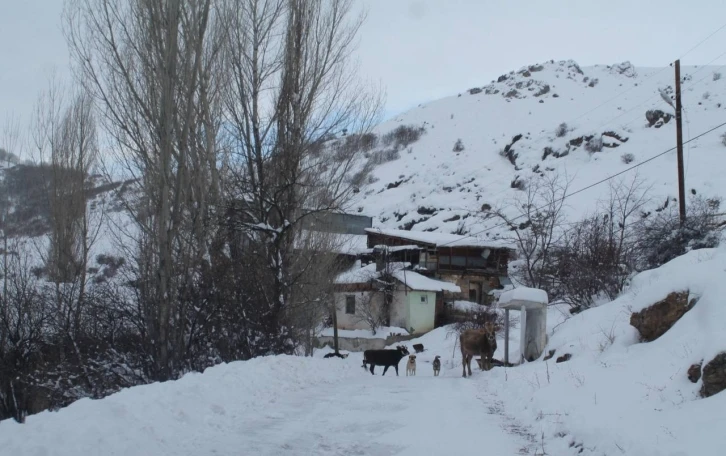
[282, 405]
[375, 415]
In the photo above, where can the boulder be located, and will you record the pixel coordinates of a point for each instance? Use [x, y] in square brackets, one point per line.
[694, 372]
[656, 117]
[652, 322]
[714, 376]
[563, 358]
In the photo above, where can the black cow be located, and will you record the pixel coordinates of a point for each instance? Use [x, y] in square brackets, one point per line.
[385, 358]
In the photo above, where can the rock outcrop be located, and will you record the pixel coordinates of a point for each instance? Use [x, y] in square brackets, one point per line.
[652, 322]
[694, 372]
[714, 376]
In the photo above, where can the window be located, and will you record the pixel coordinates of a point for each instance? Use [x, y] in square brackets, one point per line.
[472, 295]
[424, 299]
[350, 305]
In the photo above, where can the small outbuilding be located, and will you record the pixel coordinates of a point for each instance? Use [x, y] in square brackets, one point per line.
[532, 304]
[413, 301]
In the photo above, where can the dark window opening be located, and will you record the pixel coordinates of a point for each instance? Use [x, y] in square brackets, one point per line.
[350, 305]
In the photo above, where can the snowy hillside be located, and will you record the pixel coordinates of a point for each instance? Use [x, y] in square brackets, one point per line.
[508, 131]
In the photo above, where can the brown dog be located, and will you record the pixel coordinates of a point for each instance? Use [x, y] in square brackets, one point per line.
[437, 366]
[411, 365]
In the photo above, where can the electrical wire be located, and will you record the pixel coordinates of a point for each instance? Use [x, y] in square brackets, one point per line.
[612, 176]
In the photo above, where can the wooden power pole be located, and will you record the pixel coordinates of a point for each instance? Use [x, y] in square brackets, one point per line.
[679, 144]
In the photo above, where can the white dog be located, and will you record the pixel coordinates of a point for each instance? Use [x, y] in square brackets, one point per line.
[411, 365]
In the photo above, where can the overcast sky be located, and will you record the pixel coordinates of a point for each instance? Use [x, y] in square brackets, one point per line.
[422, 50]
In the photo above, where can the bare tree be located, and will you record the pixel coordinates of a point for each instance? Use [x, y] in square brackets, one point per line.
[536, 220]
[154, 69]
[293, 87]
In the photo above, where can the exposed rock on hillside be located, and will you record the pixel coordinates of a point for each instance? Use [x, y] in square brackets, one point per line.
[652, 322]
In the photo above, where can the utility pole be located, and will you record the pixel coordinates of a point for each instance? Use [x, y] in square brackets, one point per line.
[679, 144]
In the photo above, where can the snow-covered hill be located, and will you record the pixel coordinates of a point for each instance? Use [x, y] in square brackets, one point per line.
[510, 133]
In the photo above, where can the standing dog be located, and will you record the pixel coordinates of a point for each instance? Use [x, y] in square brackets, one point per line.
[437, 366]
[411, 365]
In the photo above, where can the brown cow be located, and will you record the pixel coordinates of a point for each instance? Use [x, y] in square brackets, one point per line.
[482, 342]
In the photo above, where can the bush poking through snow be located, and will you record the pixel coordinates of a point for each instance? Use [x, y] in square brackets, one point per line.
[663, 238]
[458, 146]
[518, 183]
[561, 130]
[594, 144]
[716, 76]
[403, 136]
[627, 158]
[723, 139]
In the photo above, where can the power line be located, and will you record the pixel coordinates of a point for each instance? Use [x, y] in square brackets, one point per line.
[591, 185]
[703, 41]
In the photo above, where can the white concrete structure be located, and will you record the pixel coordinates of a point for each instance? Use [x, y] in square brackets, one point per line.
[532, 303]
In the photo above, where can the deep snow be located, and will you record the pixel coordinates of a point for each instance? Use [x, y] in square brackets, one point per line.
[279, 405]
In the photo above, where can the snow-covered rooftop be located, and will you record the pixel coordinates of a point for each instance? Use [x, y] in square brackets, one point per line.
[523, 296]
[413, 280]
[416, 281]
[347, 244]
[442, 239]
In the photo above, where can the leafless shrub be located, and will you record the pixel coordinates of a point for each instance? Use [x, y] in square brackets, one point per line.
[627, 158]
[458, 146]
[536, 224]
[716, 76]
[608, 337]
[380, 157]
[476, 319]
[662, 237]
[402, 136]
[723, 139]
[596, 256]
[561, 130]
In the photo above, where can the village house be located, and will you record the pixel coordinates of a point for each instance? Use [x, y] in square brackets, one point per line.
[358, 297]
[477, 266]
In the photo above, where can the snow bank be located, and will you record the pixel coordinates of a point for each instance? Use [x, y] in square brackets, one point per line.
[171, 417]
[381, 333]
[619, 396]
